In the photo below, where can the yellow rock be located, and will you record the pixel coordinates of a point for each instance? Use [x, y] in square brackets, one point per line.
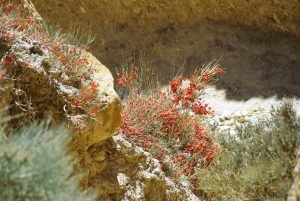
[89, 146]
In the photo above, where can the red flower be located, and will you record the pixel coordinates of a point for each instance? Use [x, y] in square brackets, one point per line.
[9, 7]
[4, 62]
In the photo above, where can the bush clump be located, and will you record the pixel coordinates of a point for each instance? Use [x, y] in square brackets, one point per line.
[35, 166]
[167, 121]
[257, 163]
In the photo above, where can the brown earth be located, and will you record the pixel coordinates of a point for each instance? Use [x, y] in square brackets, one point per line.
[272, 15]
[257, 42]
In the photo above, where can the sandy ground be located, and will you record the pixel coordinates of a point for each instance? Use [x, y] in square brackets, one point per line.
[223, 106]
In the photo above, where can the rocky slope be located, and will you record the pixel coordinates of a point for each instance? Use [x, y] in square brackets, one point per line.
[47, 86]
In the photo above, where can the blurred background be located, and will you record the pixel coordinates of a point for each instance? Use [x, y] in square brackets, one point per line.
[257, 42]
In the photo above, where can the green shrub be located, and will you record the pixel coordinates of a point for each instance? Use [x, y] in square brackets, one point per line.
[257, 163]
[34, 166]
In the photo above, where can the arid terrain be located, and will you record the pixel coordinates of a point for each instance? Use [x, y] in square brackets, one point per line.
[129, 114]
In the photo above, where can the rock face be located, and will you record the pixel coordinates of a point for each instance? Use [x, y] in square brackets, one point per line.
[90, 146]
[132, 174]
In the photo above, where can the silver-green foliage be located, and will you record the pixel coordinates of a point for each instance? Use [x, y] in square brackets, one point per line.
[257, 163]
[34, 166]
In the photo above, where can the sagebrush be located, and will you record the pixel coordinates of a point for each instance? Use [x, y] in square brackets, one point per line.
[35, 166]
[257, 163]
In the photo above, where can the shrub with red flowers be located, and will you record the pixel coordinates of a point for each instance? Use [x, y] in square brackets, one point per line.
[62, 53]
[167, 122]
[133, 78]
